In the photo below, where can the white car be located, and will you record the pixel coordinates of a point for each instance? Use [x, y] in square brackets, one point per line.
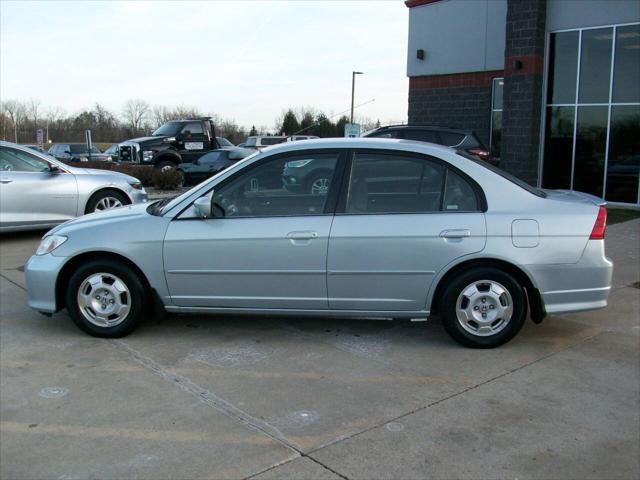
[37, 191]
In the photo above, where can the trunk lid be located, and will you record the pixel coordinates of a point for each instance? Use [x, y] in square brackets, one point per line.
[573, 196]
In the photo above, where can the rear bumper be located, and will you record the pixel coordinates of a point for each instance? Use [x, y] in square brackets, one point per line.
[576, 287]
[41, 273]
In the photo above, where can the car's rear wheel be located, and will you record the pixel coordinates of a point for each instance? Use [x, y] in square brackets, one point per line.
[319, 184]
[483, 307]
[166, 166]
[106, 298]
[106, 200]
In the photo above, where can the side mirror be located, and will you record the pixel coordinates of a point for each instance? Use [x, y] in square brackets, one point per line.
[179, 136]
[68, 152]
[203, 206]
[53, 169]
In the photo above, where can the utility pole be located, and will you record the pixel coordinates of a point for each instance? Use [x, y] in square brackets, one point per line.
[353, 90]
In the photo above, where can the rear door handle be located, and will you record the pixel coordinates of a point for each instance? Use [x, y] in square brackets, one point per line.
[455, 233]
[302, 235]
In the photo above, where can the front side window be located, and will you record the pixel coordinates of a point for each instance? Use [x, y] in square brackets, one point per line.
[421, 135]
[82, 149]
[291, 185]
[193, 128]
[18, 161]
[394, 183]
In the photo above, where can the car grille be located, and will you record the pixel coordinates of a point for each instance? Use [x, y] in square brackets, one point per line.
[129, 153]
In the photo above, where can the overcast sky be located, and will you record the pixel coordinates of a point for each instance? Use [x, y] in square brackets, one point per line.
[242, 60]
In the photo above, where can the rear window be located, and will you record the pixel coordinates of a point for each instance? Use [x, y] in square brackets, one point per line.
[421, 135]
[272, 140]
[513, 179]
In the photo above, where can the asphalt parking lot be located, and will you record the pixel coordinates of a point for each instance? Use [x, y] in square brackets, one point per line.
[241, 397]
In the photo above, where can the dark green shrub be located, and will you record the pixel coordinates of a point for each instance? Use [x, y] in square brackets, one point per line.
[167, 180]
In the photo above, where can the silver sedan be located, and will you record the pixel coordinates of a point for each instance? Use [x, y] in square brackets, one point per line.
[403, 230]
[37, 191]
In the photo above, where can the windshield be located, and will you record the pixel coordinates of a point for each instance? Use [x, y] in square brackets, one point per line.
[162, 207]
[503, 174]
[167, 130]
[223, 142]
[83, 149]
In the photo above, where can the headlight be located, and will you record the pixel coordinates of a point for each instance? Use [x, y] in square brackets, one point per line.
[136, 185]
[297, 163]
[50, 243]
[109, 159]
[147, 155]
[84, 159]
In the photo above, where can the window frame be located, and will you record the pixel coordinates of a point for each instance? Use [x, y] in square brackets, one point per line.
[332, 195]
[15, 151]
[481, 199]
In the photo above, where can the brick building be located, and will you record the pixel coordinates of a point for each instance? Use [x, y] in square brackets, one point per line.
[552, 86]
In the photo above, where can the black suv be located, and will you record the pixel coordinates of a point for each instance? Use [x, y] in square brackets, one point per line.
[451, 137]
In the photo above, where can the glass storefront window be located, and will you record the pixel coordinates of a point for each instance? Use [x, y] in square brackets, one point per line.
[595, 65]
[563, 65]
[626, 72]
[496, 116]
[558, 152]
[592, 127]
[623, 167]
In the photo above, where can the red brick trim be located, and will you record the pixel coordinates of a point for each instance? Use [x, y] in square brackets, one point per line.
[471, 79]
[417, 3]
[531, 65]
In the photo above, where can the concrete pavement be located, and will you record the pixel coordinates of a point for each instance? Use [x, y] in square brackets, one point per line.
[241, 397]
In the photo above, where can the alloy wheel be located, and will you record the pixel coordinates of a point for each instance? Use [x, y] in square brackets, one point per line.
[104, 299]
[484, 308]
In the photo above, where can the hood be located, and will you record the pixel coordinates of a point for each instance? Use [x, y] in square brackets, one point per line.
[144, 140]
[96, 171]
[102, 218]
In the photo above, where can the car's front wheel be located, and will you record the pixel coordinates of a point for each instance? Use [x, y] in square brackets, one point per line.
[106, 298]
[483, 307]
[106, 200]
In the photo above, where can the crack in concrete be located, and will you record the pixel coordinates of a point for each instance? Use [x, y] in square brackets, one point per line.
[14, 283]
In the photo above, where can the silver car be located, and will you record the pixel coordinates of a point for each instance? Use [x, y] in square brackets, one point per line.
[404, 230]
[37, 191]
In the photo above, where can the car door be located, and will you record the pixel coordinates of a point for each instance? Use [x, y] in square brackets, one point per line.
[402, 217]
[30, 194]
[265, 249]
[192, 142]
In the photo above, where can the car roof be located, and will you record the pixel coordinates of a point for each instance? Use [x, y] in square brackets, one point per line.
[361, 142]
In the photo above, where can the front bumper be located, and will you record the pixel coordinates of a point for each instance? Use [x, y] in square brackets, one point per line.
[41, 273]
[577, 287]
[138, 196]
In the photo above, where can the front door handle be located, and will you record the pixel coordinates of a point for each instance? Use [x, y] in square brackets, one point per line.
[302, 235]
[5, 180]
[455, 233]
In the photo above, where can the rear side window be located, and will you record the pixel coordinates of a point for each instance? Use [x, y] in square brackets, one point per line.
[195, 128]
[421, 135]
[394, 183]
[272, 140]
[451, 139]
[459, 195]
[384, 134]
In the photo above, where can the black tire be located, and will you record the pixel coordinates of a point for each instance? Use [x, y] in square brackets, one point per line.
[183, 179]
[165, 164]
[455, 289]
[136, 299]
[98, 197]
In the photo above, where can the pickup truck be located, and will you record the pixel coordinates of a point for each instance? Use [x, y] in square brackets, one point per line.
[174, 143]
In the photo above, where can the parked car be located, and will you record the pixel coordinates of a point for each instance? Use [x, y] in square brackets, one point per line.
[224, 143]
[37, 191]
[258, 142]
[210, 164]
[295, 138]
[465, 140]
[453, 237]
[37, 148]
[113, 152]
[77, 152]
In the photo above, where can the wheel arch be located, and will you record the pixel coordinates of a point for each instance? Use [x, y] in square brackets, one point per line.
[167, 156]
[534, 299]
[62, 281]
[101, 189]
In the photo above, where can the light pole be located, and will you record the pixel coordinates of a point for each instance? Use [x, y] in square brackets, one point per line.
[353, 90]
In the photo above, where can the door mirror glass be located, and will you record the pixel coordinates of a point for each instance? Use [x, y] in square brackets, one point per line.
[54, 169]
[203, 206]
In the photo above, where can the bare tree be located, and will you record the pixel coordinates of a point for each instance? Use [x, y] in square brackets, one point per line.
[33, 108]
[135, 112]
[16, 111]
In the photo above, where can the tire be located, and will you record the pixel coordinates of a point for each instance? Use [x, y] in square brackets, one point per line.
[165, 165]
[106, 289]
[106, 200]
[319, 183]
[483, 307]
[183, 180]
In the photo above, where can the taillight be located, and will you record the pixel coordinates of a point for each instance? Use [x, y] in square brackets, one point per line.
[480, 153]
[600, 226]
